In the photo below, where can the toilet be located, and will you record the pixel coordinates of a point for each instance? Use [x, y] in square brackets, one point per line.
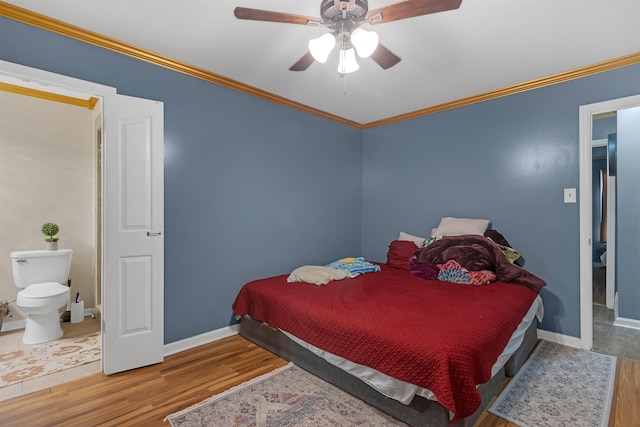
[42, 275]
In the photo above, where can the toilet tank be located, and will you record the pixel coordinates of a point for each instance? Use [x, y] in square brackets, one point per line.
[40, 266]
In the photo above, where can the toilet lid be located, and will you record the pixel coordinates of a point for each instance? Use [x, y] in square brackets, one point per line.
[43, 290]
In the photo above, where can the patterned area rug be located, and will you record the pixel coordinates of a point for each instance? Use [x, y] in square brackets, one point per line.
[42, 359]
[559, 386]
[288, 396]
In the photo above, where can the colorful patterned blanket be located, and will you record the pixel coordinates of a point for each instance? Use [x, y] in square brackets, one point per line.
[476, 253]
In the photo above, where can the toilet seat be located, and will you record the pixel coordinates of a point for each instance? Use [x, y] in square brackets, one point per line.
[43, 290]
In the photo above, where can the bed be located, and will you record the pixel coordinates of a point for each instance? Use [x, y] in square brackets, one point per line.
[428, 352]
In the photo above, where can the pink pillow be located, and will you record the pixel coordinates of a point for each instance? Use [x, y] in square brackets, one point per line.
[399, 253]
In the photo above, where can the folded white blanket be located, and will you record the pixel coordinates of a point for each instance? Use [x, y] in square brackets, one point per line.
[317, 274]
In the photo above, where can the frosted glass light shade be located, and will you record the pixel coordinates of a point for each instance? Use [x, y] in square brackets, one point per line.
[321, 47]
[364, 41]
[348, 63]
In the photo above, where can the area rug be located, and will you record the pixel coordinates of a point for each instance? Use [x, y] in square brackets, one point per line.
[287, 396]
[41, 359]
[559, 386]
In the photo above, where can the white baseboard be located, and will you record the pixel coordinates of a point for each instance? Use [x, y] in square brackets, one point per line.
[21, 323]
[627, 323]
[559, 338]
[169, 349]
[207, 337]
[13, 325]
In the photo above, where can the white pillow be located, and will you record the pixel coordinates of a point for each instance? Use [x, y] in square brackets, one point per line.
[316, 274]
[450, 226]
[419, 241]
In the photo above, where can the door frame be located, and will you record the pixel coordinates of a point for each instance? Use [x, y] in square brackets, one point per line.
[56, 83]
[586, 113]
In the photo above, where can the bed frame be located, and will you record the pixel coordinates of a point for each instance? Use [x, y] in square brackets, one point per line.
[420, 412]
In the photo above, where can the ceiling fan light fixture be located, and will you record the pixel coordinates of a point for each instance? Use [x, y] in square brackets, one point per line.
[348, 63]
[321, 47]
[364, 41]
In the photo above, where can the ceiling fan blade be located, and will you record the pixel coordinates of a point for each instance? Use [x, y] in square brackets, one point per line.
[409, 9]
[270, 16]
[303, 63]
[384, 57]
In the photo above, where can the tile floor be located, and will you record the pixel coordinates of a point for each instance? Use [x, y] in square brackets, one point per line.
[12, 341]
[609, 339]
[613, 340]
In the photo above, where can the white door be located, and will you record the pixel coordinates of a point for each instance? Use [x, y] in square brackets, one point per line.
[133, 220]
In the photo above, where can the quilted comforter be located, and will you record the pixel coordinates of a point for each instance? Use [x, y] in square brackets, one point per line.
[440, 336]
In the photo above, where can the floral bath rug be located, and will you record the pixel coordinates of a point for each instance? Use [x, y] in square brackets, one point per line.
[41, 359]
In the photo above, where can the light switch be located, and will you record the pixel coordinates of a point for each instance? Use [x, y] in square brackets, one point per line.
[569, 195]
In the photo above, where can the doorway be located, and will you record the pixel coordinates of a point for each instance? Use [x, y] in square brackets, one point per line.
[132, 281]
[47, 169]
[587, 115]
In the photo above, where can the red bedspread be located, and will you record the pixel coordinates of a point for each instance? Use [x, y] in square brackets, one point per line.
[438, 335]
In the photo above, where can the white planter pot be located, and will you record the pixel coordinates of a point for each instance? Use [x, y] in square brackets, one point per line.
[51, 246]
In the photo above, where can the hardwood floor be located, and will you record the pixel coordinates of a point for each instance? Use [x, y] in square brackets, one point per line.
[143, 397]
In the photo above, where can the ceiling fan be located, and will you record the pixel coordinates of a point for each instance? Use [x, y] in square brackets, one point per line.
[343, 19]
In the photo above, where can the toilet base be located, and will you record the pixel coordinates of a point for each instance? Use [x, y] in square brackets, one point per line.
[42, 328]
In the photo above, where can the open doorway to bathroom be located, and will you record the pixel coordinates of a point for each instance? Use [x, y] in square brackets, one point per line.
[49, 172]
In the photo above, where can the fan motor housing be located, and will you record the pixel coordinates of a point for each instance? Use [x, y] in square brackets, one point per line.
[356, 10]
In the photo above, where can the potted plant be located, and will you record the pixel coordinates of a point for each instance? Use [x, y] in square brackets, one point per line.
[50, 229]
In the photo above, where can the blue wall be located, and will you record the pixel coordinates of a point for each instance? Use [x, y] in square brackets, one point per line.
[601, 128]
[254, 189]
[628, 217]
[506, 160]
[251, 188]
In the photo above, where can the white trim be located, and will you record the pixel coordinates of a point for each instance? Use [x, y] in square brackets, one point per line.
[50, 82]
[610, 280]
[207, 337]
[169, 349]
[627, 323]
[559, 338]
[586, 113]
[21, 323]
[13, 325]
[599, 142]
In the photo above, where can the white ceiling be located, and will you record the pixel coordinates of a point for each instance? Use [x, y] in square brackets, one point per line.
[483, 46]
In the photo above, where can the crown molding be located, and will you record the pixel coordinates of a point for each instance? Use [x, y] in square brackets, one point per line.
[600, 67]
[605, 115]
[44, 22]
[89, 103]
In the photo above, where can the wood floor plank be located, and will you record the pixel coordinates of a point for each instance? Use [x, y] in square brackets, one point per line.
[625, 408]
[145, 396]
